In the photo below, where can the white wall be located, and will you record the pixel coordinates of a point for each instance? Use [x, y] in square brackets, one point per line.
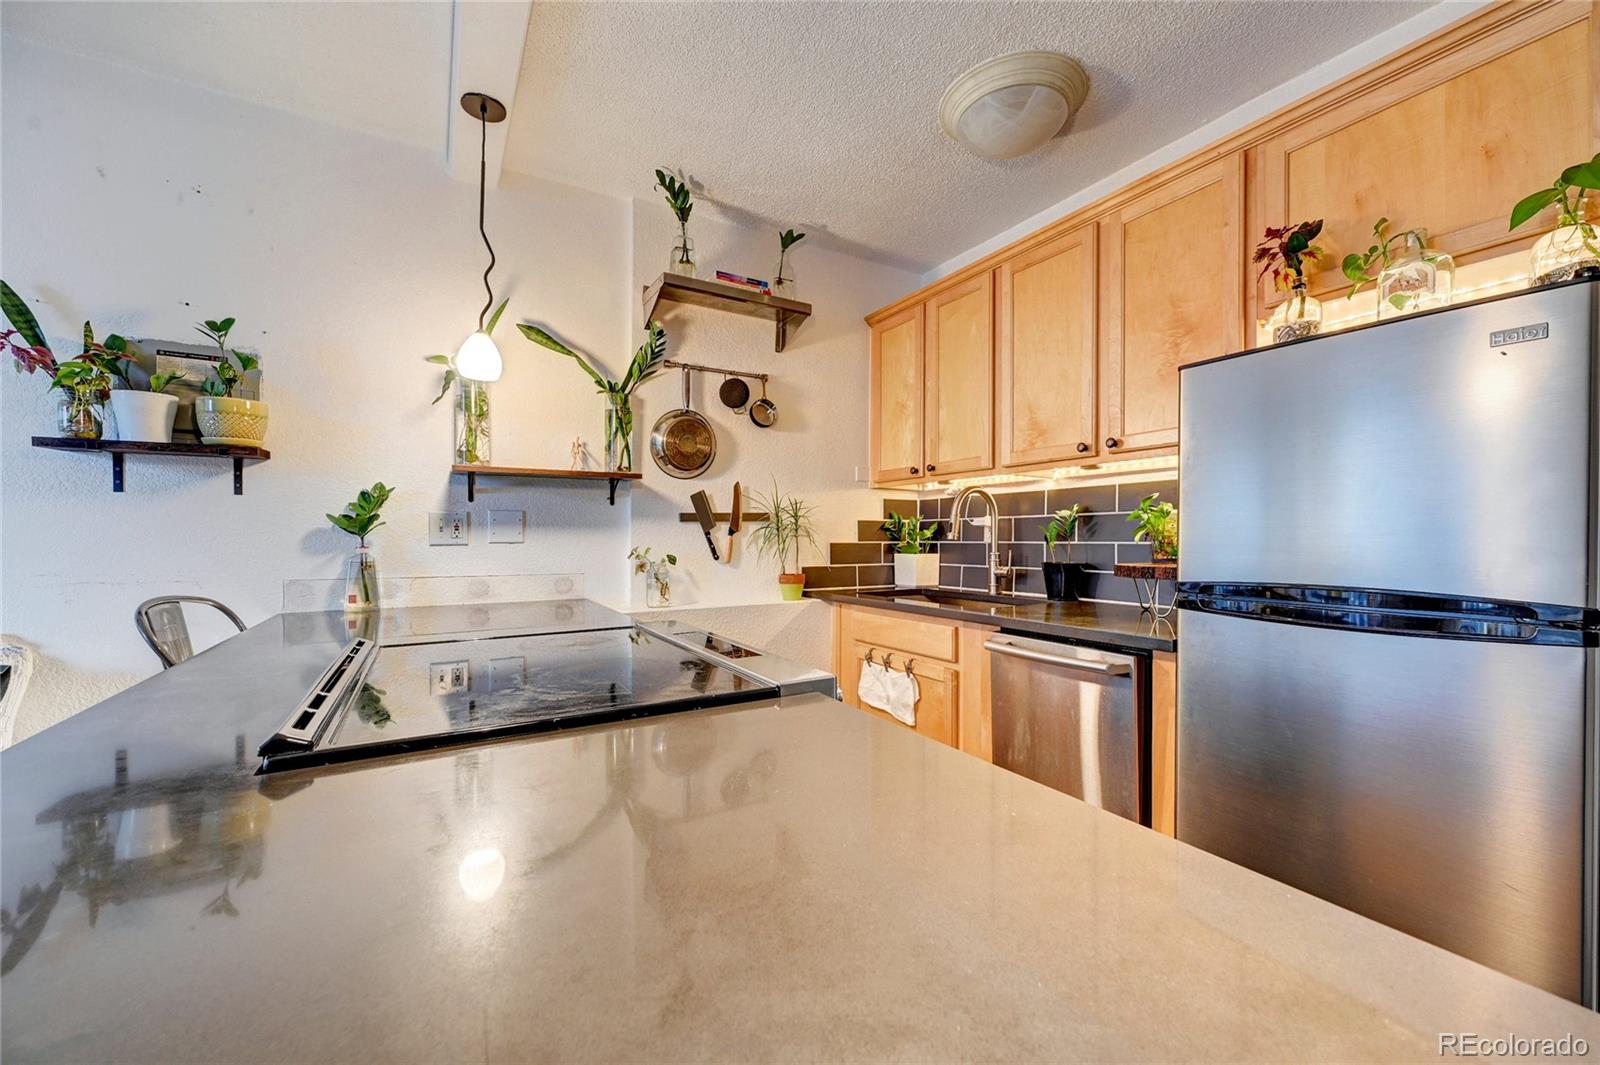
[819, 384]
[147, 205]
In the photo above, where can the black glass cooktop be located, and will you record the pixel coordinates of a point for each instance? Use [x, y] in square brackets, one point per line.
[423, 695]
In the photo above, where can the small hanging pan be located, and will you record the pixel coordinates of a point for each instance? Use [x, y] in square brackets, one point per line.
[735, 394]
[682, 441]
[763, 411]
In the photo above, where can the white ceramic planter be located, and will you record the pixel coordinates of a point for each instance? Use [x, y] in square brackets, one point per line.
[226, 420]
[145, 416]
[916, 571]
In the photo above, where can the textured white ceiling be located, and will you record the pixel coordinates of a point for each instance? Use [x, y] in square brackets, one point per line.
[383, 69]
[823, 115]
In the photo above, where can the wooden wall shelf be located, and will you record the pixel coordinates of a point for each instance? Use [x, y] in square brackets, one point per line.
[698, 292]
[118, 448]
[474, 472]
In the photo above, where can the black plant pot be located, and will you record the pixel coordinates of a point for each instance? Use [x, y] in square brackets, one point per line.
[1061, 580]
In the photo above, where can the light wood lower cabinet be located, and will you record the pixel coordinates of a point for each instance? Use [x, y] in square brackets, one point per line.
[1164, 742]
[946, 657]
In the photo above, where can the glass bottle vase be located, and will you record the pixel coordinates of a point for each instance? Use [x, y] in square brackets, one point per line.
[682, 256]
[472, 423]
[1418, 278]
[77, 416]
[1561, 253]
[619, 433]
[658, 585]
[361, 582]
[782, 283]
[1297, 316]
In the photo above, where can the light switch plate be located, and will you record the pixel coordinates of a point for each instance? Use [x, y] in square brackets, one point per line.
[506, 526]
[448, 529]
[447, 677]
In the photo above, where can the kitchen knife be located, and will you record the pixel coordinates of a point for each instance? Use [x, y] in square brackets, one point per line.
[733, 517]
[702, 510]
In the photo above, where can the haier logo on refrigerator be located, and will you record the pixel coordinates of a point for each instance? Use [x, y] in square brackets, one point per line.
[1519, 335]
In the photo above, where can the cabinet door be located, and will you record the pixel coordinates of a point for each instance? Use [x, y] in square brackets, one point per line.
[938, 693]
[960, 367]
[1449, 144]
[1046, 351]
[897, 393]
[1172, 283]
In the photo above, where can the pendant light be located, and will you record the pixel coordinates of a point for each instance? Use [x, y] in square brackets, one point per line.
[479, 359]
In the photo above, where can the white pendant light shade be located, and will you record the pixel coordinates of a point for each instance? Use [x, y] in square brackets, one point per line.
[479, 359]
[1012, 104]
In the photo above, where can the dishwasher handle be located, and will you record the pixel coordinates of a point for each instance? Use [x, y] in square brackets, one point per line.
[1033, 653]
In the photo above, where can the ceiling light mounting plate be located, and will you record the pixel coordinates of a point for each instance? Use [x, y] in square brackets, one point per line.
[478, 104]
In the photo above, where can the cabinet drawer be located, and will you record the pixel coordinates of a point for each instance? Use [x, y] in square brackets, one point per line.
[938, 693]
[904, 634]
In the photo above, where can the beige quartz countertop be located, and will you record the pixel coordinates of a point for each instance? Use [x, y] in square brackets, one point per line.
[795, 880]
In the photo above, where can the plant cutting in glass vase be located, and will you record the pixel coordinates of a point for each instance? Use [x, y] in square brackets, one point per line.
[681, 202]
[1287, 254]
[788, 525]
[472, 403]
[619, 394]
[1572, 245]
[1156, 522]
[1060, 577]
[914, 565]
[657, 575]
[1410, 275]
[359, 518]
[782, 282]
[84, 380]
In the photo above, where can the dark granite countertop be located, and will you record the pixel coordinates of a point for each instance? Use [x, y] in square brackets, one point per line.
[791, 879]
[1102, 624]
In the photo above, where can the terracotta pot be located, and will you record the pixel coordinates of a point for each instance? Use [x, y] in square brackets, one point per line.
[792, 585]
[226, 420]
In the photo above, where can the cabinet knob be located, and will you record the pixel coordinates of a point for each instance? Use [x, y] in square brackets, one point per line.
[930, 467]
[914, 470]
[1112, 441]
[1082, 447]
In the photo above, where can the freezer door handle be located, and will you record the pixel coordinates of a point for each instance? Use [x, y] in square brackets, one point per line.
[1002, 646]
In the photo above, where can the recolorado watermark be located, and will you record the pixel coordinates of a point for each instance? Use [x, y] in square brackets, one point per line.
[1473, 1045]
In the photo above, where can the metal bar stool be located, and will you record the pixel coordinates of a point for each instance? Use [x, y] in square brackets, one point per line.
[160, 622]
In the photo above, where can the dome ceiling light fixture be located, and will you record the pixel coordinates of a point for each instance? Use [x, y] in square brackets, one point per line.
[1011, 104]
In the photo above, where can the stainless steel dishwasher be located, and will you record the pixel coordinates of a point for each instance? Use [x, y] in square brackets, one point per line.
[1073, 718]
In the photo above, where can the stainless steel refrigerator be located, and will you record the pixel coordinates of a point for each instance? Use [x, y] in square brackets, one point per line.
[1387, 640]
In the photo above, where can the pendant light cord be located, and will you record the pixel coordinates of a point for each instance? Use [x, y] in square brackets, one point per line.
[483, 178]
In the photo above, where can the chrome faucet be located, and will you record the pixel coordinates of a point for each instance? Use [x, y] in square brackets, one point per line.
[958, 513]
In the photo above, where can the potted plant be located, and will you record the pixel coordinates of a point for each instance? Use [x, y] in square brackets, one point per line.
[1158, 523]
[914, 565]
[788, 525]
[783, 284]
[222, 417]
[619, 394]
[146, 415]
[1286, 254]
[658, 575]
[84, 381]
[472, 403]
[1059, 577]
[1571, 246]
[682, 205]
[359, 518]
[1410, 277]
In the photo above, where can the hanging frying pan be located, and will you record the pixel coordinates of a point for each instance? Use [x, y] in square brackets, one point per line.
[735, 394]
[763, 411]
[682, 441]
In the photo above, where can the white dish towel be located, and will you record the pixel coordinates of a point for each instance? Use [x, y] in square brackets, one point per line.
[893, 691]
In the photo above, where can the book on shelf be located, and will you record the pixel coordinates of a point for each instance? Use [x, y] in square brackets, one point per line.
[740, 281]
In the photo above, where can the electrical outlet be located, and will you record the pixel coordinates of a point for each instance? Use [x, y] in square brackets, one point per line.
[447, 677]
[508, 674]
[448, 529]
[505, 526]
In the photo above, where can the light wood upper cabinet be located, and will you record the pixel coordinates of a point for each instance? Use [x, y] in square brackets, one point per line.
[1045, 351]
[959, 355]
[1171, 292]
[897, 396]
[1449, 144]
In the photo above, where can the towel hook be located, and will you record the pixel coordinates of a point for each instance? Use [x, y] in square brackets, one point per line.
[870, 652]
[909, 663]
[888, 659]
